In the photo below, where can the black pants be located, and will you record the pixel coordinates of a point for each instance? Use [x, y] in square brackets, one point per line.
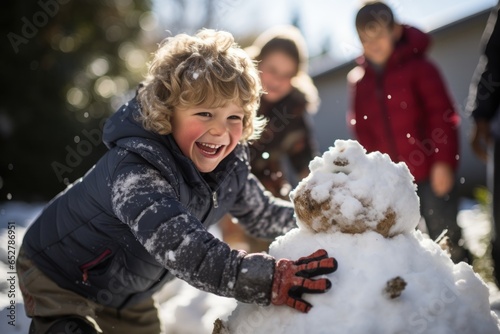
[493, 180]
[440, 213]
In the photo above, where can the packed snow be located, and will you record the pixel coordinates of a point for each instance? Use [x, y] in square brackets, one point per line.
[390, 279]
[439, 297]
[351, 191]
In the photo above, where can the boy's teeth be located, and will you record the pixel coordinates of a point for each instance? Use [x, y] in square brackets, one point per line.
[210, 145]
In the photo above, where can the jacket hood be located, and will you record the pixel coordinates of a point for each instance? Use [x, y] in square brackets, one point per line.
[124, 129]
[126, 123]
[413, 43]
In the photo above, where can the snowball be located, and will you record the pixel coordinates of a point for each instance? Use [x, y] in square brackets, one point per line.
[351, 191]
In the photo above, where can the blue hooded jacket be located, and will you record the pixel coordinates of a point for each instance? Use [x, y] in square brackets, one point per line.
[139, 217]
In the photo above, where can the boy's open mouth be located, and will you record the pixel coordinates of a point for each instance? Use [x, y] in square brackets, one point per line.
[209, 149]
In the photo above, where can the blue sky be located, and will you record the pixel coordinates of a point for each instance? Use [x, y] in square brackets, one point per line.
[327, 21]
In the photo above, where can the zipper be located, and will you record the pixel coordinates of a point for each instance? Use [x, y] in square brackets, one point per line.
[89, 265]
[214, 198]
[215, 201]
[385, 115]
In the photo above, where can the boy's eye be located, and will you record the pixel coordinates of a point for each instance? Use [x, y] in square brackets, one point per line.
[236, 117]
[204, 114]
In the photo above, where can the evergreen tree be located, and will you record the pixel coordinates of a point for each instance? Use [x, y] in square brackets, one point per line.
[66, 66]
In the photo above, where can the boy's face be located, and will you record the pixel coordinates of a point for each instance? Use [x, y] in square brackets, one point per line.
[378, 43]
[207, 135]
[277, 70]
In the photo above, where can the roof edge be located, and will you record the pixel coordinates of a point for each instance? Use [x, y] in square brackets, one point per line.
[333, 65]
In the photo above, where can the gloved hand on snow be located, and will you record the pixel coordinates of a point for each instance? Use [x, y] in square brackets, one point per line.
[292, 279]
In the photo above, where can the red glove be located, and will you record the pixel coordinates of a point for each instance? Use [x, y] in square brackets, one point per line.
[292, 279]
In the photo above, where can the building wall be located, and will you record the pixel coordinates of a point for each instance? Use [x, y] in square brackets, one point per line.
[455, 51]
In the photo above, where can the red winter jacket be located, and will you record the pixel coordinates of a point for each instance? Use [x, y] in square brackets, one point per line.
[405, 110]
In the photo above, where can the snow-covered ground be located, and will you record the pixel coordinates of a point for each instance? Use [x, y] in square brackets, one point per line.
[184, 309]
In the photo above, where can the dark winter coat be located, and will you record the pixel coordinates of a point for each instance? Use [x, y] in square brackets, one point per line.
[139, 217]
[404, 109]
[484, 97]
[287, 135]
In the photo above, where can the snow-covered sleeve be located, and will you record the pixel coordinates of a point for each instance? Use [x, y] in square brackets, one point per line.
[148, 204]
[261, 214]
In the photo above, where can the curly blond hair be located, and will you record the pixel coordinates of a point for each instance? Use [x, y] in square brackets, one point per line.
[208, 69]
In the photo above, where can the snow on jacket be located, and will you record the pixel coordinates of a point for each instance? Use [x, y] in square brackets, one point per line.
[139, 217]
[404, 109]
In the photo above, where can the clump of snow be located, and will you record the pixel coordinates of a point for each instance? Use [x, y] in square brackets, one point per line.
[192, 311]
[351, 191]
[390, 279]
[127, 187]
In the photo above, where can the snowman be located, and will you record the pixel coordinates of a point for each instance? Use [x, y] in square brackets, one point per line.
[363, 210]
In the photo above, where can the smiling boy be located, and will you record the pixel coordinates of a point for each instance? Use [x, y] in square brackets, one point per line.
[207, 137]
[177, 162]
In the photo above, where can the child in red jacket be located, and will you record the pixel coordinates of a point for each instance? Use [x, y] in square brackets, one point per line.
[400, 106]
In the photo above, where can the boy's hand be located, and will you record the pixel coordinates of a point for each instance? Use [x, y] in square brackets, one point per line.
[292, 279]
[442, 179]
[480, 139]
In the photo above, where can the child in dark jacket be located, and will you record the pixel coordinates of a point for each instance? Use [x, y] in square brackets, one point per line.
[177, 163]
[290, 98]
[400, 106]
